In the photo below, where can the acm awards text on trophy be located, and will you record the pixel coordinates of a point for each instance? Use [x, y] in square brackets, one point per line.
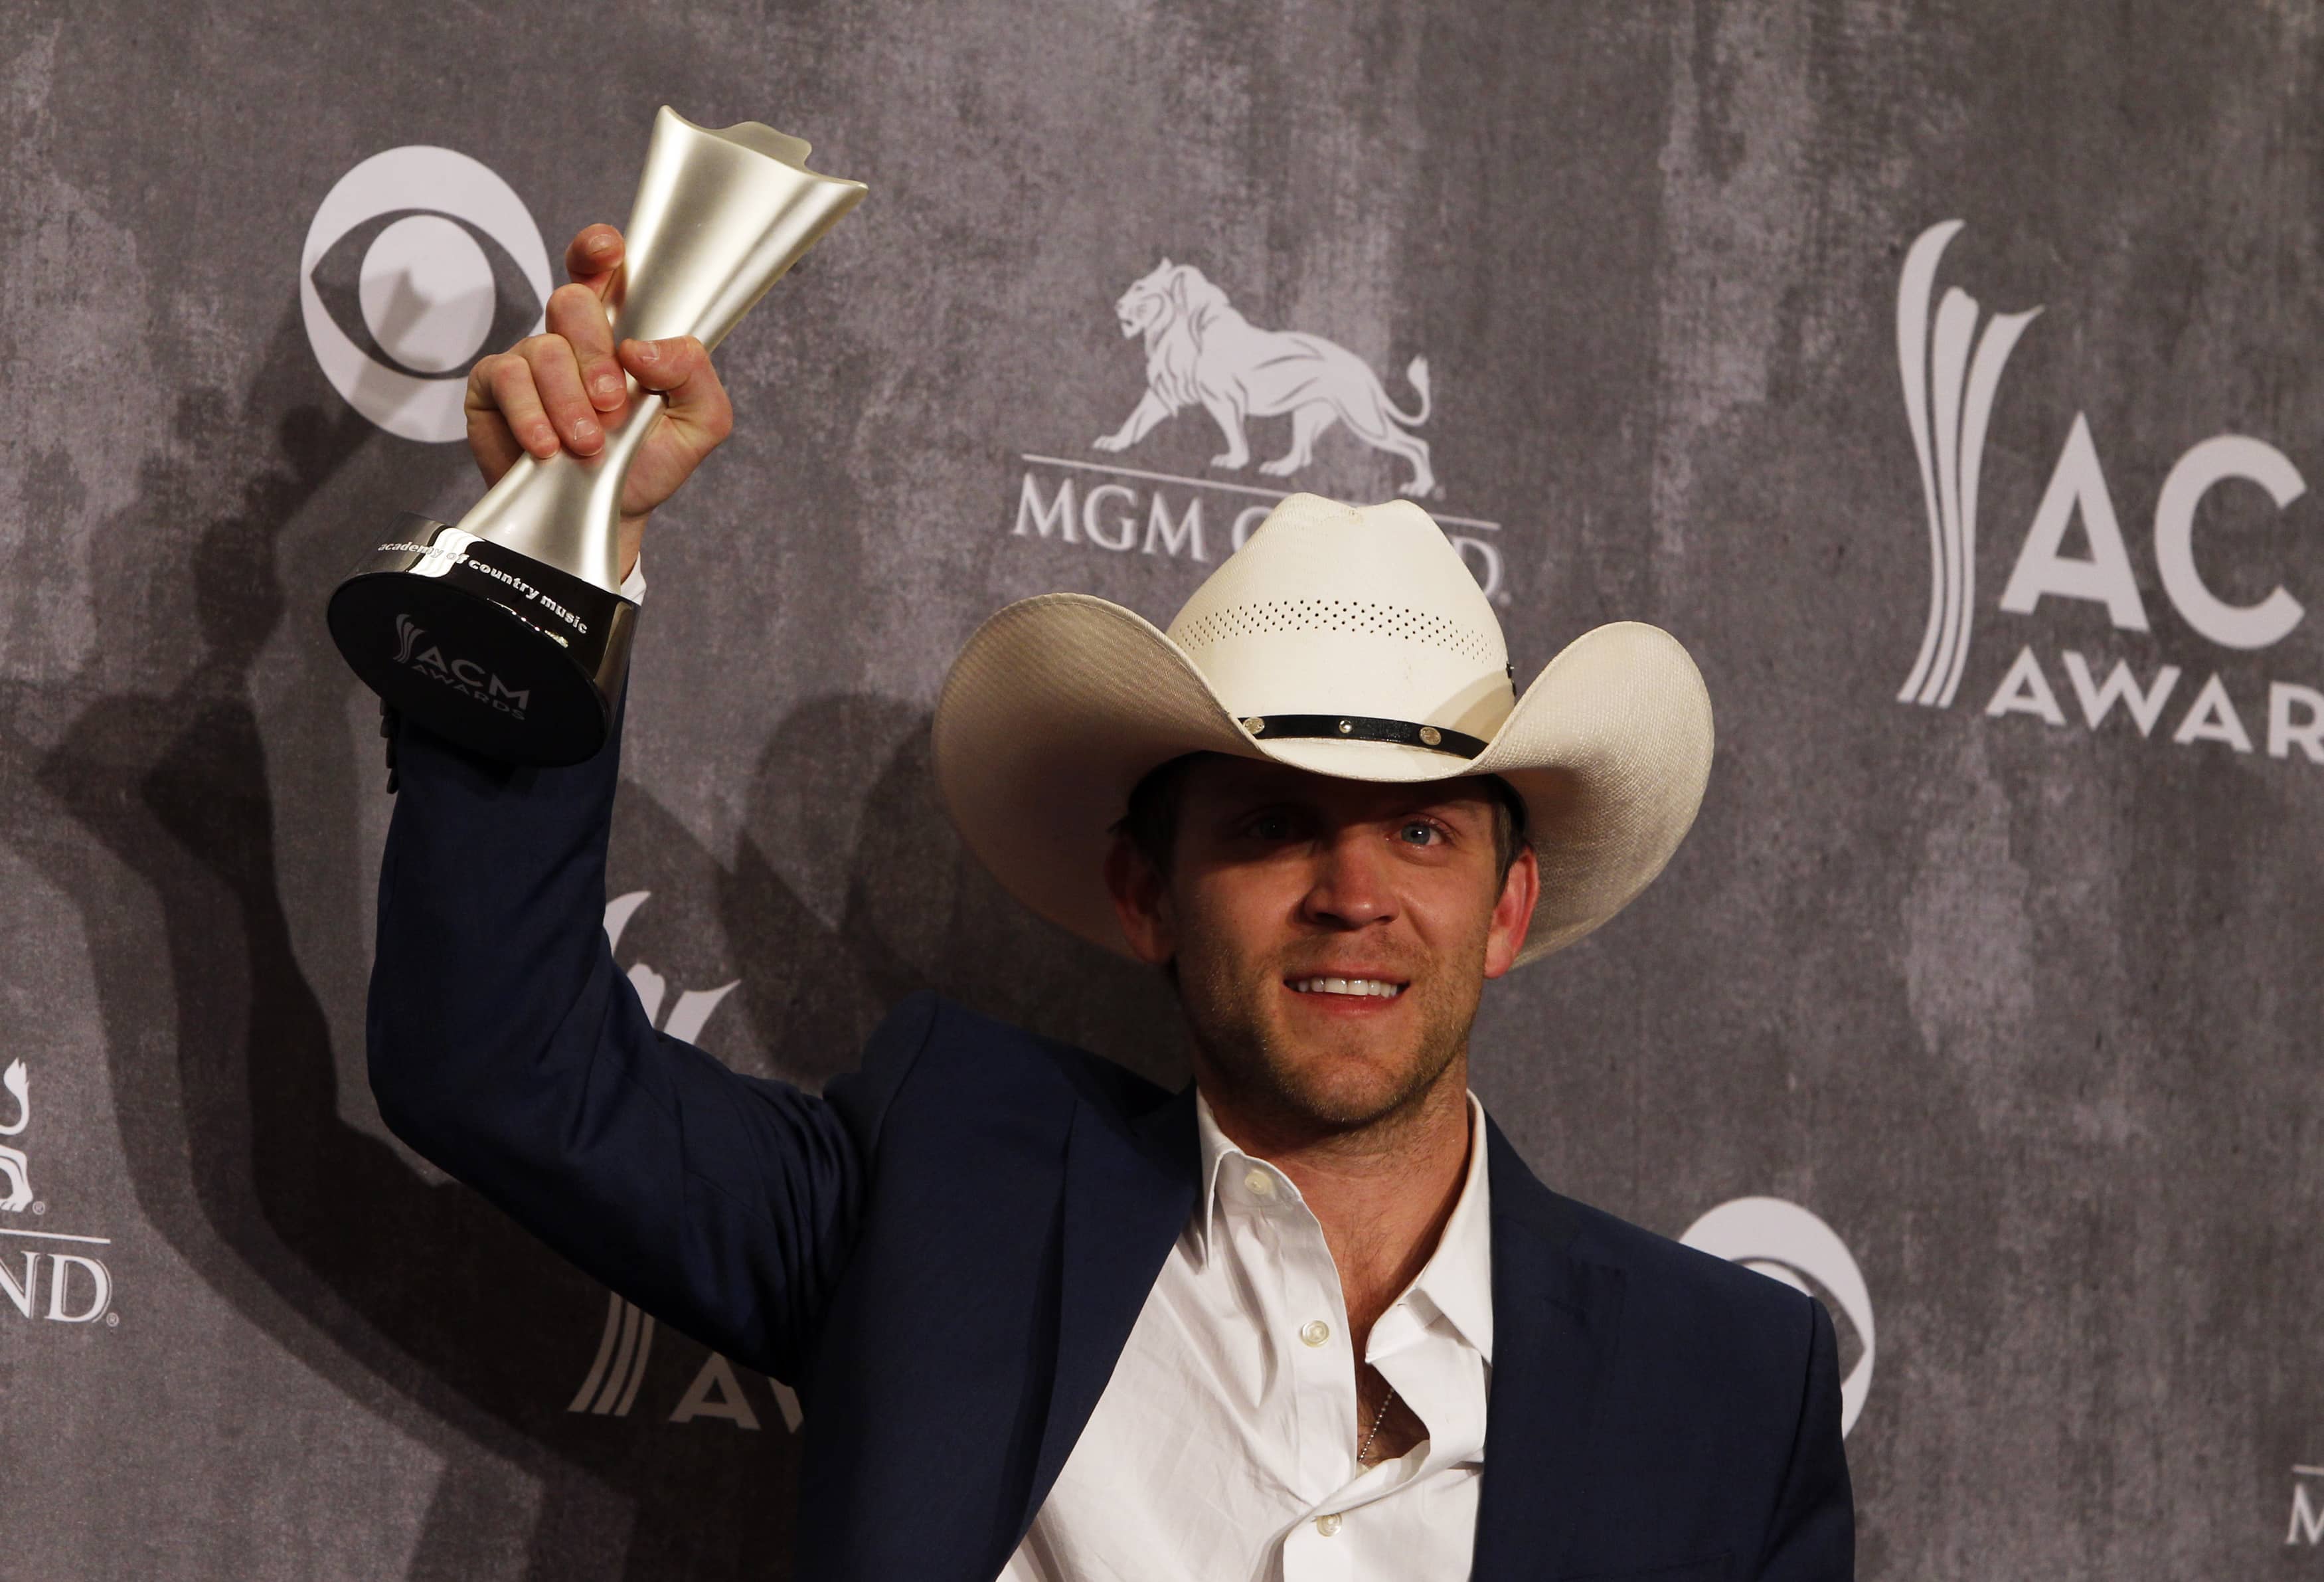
[508, 633]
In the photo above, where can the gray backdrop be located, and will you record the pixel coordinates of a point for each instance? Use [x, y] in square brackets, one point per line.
[2022, 1008]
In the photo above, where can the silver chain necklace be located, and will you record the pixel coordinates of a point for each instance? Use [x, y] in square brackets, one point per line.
[1378, 1417]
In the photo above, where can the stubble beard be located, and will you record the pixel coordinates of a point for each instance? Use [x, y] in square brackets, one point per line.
[1306, 1092]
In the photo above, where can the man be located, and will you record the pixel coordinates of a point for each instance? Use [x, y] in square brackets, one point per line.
[1310, 1317]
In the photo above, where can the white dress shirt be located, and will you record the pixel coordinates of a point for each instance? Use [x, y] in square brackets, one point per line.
[1224, 1445]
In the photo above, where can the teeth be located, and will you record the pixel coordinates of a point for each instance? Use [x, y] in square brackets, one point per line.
[1379, 987]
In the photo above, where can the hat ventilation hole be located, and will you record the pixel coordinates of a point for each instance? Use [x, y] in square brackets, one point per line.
[1334, 614]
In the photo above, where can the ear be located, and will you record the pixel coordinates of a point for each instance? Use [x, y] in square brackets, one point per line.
[1141, 902]
[1512, 914]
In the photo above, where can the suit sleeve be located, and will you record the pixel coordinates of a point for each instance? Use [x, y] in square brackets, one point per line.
[505, 1046]
[1813, 1535]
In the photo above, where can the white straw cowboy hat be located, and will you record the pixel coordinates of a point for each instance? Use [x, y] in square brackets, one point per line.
[1351, 641]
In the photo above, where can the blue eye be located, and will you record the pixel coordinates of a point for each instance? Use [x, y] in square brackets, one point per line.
[1417, 833]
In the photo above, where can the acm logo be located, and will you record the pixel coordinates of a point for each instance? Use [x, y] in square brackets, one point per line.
[79, 1285]
[1951, 373]
[625, 1346]
[464, 676]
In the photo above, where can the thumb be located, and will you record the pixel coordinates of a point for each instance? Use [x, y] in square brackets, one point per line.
[679, 369]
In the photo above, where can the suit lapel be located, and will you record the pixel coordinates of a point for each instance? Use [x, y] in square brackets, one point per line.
[1555, 1320]
[1128, 1187]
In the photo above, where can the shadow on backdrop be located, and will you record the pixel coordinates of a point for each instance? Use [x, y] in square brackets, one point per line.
[417, 1299]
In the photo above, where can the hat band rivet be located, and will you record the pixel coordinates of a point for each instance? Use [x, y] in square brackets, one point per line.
[1353, 727]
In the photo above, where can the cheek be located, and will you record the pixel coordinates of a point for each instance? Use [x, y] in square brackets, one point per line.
[1239, 919]
[1455, 919]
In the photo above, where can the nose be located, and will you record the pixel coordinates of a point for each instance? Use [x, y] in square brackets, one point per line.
[1350, 886]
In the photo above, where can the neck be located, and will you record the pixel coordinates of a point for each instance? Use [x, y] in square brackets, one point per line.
[1381, 1191]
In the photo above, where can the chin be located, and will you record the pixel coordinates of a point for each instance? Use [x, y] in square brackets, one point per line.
[1344, 1099]
[1342, 1085]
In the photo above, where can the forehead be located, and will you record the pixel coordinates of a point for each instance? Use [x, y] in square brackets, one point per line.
[1217, 782]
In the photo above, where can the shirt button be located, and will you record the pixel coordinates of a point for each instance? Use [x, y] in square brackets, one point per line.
[1328, 1525]
[1315, 1334]
[1259, 1184]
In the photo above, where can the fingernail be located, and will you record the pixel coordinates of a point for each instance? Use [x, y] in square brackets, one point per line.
[601, 245]
[608, 385]
[648, 351]
[584, 430]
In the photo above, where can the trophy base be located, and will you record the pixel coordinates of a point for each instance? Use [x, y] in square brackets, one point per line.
[508, 657]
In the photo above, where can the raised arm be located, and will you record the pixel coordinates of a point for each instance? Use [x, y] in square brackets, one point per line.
[504, 1044]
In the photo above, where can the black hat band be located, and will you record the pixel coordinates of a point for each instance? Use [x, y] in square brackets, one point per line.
[1357, 727]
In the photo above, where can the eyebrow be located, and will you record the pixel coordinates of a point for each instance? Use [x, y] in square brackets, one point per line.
[1253, 799]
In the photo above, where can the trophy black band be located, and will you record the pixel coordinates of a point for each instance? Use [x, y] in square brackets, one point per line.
[508, 633]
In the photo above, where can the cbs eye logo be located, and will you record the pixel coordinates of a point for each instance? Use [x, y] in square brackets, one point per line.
[1784, 1240]
[418, 260]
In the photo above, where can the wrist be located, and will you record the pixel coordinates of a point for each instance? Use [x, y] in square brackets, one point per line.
[633, 533]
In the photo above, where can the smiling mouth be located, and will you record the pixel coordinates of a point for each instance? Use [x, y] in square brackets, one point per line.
[1379, 988]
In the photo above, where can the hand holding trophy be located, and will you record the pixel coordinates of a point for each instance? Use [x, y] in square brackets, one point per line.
[508, 633]
[562, 387]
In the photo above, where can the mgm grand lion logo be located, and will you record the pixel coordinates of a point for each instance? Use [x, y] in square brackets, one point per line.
[1201, 352]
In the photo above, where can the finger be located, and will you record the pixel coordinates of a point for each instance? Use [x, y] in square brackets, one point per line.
[593, 255]
[578, 314]
[505, 383]
[695, 401]
[491, 444]
[556, 377]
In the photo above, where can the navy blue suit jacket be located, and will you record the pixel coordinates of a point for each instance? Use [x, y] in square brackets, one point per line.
[943, 1253]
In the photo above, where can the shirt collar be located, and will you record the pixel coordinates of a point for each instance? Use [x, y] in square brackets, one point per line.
[1458, 1278]
[1458, 1275]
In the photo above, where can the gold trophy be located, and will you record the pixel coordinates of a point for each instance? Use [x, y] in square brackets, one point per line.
[508, 633]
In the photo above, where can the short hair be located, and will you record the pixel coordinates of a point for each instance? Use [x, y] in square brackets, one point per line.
[1150, 821]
